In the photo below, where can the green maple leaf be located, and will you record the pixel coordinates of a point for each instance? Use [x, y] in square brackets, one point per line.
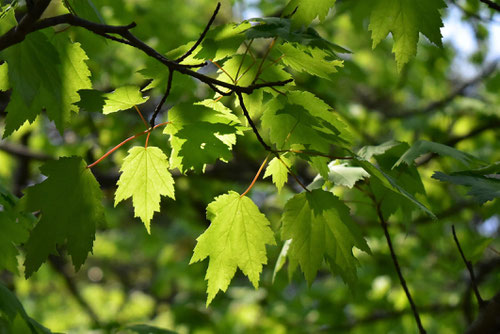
[405, 19]
[45, 72]
[222, 41]
[279, 171]
[303, 121]
[69, 201]
[123, 98]
[320, 227]
[483, 183]
[85, 9]
[313, 61]
[15, 230]
[307, 10]
[423, 146]
[145, 177]
[236, 238]
[345, 175]
[269, 27]
[201, 133]
[394, 185]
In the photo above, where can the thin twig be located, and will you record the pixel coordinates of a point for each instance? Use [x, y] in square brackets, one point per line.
[223, 70]
[259, 70]
[398, 269]
[252, 124]
[256, 176]
[491, 4]
[243, 58]
[15, 36]
[142, 117]
[124, 142]
[163, 99]
[202, 36]
[293, 174]
[468, 264]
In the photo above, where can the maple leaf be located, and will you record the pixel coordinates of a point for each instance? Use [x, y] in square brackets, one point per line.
[483, 183]
[69, 201]
[85, 9]
[123, 98]
[313, 61]
[222, 41]
[422, 147]
[268, 27]
[305, 11]
[45, 72]
[236, 238]
[145, 177]
[279, 171]
[394, 187]
[345, 175]
[15, 230]
[405, 19]
[320, 227]
[303, 121]
[201, 133]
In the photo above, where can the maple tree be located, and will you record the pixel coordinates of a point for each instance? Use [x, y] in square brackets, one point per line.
[272, 91]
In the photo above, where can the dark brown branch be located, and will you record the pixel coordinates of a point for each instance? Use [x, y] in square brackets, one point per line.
[293, 174]
[488, 321]
[398, 270]
[252, 124]
[13, 37]
[468, 264]
[18, 33]
[124, 32]
[163, 99]
[491, 4]
[202, 36]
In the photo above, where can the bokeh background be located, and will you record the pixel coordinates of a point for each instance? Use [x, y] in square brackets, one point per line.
[135, 277]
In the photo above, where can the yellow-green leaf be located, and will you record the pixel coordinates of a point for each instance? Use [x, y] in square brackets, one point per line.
[237, 238]
[145, 177]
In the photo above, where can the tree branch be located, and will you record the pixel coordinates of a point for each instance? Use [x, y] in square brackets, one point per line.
[488, 321]
[14, 36]
[163, 99]
[468, 264]
[252, 124]
[202, 36]
[398, 270]
[491, 4]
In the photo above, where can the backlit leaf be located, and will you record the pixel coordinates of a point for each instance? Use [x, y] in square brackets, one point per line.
[236, 238]
[123, 98]
[145, 177]
[405, 19]
[279, 171]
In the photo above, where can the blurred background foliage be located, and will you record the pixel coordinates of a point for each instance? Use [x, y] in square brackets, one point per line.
[448, 95]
